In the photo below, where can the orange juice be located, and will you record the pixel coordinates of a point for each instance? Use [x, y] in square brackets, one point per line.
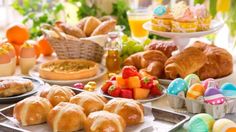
[136, 26]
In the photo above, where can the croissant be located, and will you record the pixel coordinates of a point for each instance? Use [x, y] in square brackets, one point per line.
[219, 63]
[152, 61]
[167, 47]
[188, 61]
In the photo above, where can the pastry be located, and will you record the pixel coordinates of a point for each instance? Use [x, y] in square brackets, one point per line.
[162, 18]
[71, 69]
[152, 61]
[219, 63]
[177, 87]
[82, 22]
[184, 19]
[130, 110]
[193, 60]
[27, 58]
[31, 111]
[213, 96]
[66, 117]
[200, 45]
[15, 86]
[90, 101]
[228, 90]
[203, 17]
[224, 125]
[104, 28]
[192, 79]
[90, 25]
[5, 63]
[103, 121]
[56, 94]
[72, 30]
[195, 91]
[201, 123]
[166, 46]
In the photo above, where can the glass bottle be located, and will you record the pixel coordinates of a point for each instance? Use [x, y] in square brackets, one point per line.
[113, 48]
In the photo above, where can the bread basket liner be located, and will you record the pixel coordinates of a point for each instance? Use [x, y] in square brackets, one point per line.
[69, 47]
[198, 106]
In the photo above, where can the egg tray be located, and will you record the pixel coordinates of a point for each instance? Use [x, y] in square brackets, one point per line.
[197, 106]
[163, 120]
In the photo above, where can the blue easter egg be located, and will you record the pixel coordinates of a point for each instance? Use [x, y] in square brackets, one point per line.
[160, 10]
[176, 86]
[228, 90]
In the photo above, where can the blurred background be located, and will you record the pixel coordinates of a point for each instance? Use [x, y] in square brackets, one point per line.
[35, 12]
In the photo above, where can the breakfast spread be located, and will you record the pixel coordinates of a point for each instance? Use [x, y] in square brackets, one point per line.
[15, 86]
[72, 69]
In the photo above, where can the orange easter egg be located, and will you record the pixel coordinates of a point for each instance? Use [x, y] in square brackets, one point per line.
[27, 51]
[4, 56]
[195, 91]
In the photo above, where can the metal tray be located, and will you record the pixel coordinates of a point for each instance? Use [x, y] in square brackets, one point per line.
[164, 121]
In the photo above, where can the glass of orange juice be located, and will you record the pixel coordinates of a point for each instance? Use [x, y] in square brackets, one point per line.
[136, 20]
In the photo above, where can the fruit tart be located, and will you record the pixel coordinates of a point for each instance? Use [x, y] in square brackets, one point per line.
[71, 69]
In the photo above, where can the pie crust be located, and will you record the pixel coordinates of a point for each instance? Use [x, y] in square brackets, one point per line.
[70, 69]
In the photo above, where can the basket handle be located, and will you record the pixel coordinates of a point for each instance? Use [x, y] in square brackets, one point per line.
[47, 26]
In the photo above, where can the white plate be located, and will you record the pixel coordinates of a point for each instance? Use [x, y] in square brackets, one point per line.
[215, 25]
[222, 80]
[101, 72]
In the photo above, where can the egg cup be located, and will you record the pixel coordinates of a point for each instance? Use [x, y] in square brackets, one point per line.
[194, 106]
[184, 27]
[5, 70]
[26, 64]
[230, 106]
[217, 111]
[13, 65]
[176, 101]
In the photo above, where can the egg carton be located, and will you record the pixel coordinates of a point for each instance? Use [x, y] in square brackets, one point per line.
[199, 106]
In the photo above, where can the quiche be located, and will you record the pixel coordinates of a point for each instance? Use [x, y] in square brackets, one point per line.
[70, 69]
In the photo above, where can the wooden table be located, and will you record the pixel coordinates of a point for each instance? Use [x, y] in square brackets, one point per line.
[161, 103]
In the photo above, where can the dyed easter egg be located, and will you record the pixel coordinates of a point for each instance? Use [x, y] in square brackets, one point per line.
[195, 91]
[210, 83]
[160, 10]
[224, 125]
[201, 123]
[213, 96]
[176, 86]
[228, 90]
[192, 79]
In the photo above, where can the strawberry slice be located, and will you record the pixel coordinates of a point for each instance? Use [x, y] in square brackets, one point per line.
[129, 71]
[126, 93]
[147, 82]
[156, 89]
[106, 86]
[114, 91]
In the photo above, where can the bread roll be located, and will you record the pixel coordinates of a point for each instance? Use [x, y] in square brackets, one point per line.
[71, 30]
[104, 28]
[56, 94]
[103, 121]
[186, 62]
[66, 117]
[132, 111]
[89, 101]
[90, 25]
[31, 111]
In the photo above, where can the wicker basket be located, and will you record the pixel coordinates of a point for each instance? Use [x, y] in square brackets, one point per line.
[67, 48]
